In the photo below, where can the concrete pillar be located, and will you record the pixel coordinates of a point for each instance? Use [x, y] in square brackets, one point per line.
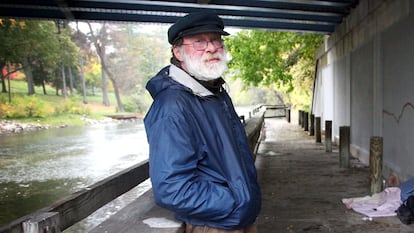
[375, 163]
[318, 129]
[300, 117]
[328, 136]
[344, 144]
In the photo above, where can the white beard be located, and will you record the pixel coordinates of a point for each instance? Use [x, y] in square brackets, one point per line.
[203, 71]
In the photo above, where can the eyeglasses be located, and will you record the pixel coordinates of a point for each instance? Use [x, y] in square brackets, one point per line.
[201, 45]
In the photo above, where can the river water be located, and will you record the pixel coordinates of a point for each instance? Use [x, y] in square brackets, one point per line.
[39, 168]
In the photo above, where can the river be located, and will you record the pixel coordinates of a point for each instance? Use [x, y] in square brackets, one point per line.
[39, 168]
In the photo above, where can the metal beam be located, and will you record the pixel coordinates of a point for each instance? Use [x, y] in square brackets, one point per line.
[319, 16]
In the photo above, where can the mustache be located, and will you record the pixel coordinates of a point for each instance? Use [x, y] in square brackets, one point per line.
[208, 57]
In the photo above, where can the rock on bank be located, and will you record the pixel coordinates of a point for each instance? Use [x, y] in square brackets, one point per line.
[7, 126]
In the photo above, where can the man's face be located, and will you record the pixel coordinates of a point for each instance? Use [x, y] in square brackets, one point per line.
[203, 56]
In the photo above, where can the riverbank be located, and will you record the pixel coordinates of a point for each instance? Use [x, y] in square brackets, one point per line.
[10, 127]
[14, 127]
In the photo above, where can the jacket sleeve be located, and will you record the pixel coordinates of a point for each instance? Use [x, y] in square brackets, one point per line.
[174, 176]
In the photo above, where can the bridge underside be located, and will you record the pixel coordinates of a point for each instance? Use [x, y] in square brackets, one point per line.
[320, 16]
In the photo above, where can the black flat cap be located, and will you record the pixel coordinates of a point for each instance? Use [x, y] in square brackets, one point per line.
[196, 23]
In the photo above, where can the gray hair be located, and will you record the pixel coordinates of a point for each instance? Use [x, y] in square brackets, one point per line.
[173, 59]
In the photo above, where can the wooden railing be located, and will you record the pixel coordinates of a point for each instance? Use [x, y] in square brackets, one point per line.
[279, 110]
[271, 110]
[77, 206]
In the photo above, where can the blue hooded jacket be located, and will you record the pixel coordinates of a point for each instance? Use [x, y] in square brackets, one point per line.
[201, 166]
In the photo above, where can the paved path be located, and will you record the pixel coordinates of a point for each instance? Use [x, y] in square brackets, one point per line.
[303, 186]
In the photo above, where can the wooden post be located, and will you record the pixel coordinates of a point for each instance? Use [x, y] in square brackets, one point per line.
[375, 164]
[306, 118]
[303, 119]
[45, 222]
[242, 119]
[318, 129]
[288, 115]
[300, 117]
[344, 142]
[312, 125]
[328, 136]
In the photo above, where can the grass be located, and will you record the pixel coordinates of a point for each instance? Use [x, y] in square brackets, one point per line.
[96, 109]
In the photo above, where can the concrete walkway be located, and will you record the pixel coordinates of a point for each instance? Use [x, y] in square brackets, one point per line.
[303, 186]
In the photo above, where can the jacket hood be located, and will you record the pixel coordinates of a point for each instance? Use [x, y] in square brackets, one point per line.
[159, 82]
[176, 78]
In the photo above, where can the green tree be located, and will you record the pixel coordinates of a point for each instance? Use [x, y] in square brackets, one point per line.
[35, 47]
[280, 60]
[11, 41]
[39, 48]
[86, 53]
[68, 54]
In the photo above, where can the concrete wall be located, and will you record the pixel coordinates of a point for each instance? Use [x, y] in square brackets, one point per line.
[398, 97]
[366, 69]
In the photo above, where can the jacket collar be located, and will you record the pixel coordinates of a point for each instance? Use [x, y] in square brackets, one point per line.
[185, 79]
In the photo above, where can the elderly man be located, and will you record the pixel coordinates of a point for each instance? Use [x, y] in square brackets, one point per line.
[201, 166]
